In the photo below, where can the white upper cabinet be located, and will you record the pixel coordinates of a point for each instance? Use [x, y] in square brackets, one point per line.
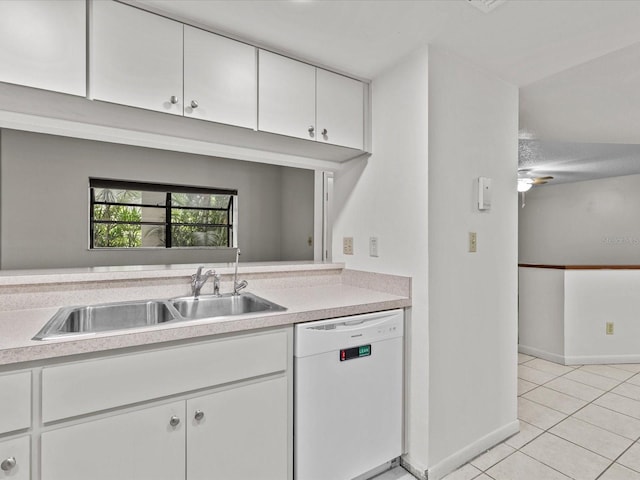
[340, 110]
[136, 58]
[303, 101]
[286, 96]
[220, 79]
[43, 44]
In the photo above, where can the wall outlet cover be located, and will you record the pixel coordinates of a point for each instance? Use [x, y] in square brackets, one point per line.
[609, 328]
[347, 245]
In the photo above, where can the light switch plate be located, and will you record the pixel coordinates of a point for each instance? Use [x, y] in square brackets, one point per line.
[373, 246]
[473, 242]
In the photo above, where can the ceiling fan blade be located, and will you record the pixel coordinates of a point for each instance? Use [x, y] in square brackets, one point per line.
[541, 180]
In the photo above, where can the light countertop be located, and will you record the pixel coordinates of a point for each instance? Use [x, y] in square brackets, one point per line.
[305, 303]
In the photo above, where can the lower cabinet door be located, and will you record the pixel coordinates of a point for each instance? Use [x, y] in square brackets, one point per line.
[15, 459]
[142, 445]
[239, 434]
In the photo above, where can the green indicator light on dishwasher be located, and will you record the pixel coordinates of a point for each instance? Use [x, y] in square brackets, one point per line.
[355, 352]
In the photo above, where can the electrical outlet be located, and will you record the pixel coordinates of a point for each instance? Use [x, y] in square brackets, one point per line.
[473, 242]
[609, 328]
[347, 245]
[373, 246]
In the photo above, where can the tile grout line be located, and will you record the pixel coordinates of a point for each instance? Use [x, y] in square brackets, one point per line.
[571, 415]
[548, 430]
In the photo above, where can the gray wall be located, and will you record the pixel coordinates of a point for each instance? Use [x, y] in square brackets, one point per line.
[44, 201]
[582, 223]
[297, 224]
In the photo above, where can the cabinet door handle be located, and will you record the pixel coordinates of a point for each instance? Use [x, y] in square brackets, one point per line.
[311, 129]
[174, 99]
[8, 464]
[199, 415]
[324, 131]
[175, 421]
[194, 104]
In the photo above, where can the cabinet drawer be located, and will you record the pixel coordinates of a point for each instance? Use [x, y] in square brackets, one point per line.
[94, 385]
[15, 398]
[18, 450]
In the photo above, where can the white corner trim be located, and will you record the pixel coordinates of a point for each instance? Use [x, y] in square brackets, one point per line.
[536, 352]
[472, 450]
[414, 468]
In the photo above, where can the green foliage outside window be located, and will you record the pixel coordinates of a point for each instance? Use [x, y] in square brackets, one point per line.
[124, 218]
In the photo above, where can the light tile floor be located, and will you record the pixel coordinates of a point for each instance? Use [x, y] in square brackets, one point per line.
[576, 422]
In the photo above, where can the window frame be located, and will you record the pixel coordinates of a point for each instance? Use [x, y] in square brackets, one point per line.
[168, 189]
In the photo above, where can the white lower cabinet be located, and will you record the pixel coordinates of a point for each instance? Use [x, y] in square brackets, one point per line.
[239, 434]
[15, 458]
[215, 410]
[142, 445]
[234, 434]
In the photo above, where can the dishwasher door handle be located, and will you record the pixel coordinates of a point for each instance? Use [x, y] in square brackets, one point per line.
[359, 324]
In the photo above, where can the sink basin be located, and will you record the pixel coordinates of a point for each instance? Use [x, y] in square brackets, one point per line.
[210, 306]
[106, 317]
[91, 319]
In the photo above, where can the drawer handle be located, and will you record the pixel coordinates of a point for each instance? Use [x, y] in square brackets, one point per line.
[175, 421]
[199, 415]
[325, 132]
[174, 99]
[8, 464]
[311, 129]
[194, 104]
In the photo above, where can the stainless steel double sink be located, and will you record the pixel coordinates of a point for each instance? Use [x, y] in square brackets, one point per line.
[92, 319]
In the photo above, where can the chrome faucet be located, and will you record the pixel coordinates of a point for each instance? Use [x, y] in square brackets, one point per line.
[216, 283]
[199, 279]
[238, 285]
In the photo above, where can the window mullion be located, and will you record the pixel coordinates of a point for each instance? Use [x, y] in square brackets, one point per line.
[167, 219]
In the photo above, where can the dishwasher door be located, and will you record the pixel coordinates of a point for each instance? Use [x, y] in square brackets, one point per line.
[348, 415]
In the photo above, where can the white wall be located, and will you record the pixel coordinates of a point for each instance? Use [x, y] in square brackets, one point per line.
[418, 198]
[473, 130]
[541, 313]
[592, 298]
[582, 223]
[44, 200]
[386, 196]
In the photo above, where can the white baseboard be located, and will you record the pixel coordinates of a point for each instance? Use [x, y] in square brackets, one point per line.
[536, 352]
[579, 359]
[471, 451]
[601, 359]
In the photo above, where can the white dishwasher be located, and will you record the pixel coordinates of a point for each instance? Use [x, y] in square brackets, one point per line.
[348, 410]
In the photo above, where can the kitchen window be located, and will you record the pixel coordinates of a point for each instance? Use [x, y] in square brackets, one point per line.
[127, 214]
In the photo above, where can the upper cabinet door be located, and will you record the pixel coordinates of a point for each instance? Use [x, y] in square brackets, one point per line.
[340, 110]
[220, 79]
[136, 58]
[286, 96]
[43, 44]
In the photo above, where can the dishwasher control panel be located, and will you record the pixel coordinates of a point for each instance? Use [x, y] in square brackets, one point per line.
[355, 352]
[346, 335]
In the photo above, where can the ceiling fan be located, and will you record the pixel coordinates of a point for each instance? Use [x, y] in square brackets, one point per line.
[526, 181]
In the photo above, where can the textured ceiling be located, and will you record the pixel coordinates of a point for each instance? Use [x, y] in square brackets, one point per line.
[576, 162]
[577, 61]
